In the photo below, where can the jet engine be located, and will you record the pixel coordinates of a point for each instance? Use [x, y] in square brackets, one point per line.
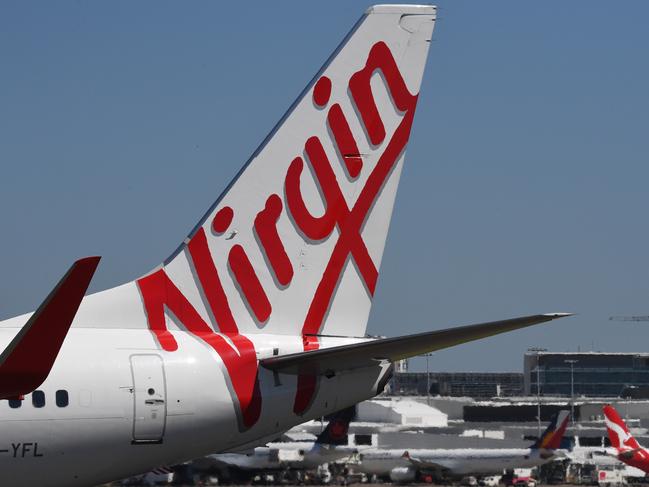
[403, 474]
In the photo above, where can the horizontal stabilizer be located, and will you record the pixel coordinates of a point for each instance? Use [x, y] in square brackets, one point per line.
[28, 359]
[365, 354]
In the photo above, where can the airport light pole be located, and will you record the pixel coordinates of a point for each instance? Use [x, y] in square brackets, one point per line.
[628, 396]
[572, 363]
[537, 350]
[626, 408]
[427, 380]
[538, 394]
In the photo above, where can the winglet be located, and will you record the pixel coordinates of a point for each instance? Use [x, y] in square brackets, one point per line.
[28, 359]
[558, 315]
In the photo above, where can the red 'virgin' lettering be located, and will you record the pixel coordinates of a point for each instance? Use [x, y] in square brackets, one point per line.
[344, 138]
[211, 283]
[350, 222]
[237, 352]
[314, 228]
[240, 359]
[337, 212]
[222, 219]
[322, 91]
[380, 58]
[249, 283]
[266, 228]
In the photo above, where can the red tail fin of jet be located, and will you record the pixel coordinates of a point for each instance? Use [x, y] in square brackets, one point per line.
[336, 431]
[618, 432]
[552, 436]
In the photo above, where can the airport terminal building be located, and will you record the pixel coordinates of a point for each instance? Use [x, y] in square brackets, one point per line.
[550, 374]
[458, 384]
[588, 374]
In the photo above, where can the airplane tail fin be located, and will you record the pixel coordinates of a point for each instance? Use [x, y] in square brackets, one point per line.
[294, 243]
[618, 433]
[552, 436]
[336, 431]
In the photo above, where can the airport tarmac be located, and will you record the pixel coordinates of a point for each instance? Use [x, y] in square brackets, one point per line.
[383, 484]
[117, 484]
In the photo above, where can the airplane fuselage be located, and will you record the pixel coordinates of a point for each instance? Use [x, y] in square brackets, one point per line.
[124, 402]
[455, 462]
[284, 455]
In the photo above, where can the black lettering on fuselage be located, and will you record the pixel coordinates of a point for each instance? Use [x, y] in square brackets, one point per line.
[26, 447]
[22, 450]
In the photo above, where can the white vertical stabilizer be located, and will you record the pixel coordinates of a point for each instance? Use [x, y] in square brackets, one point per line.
[294, 244]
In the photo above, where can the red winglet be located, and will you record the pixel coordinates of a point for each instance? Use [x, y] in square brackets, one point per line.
[28, 359]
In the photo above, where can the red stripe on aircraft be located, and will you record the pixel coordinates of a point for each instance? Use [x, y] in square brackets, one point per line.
[266, 228]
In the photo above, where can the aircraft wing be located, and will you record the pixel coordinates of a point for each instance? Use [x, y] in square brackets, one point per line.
[365, 354]
[28, 359]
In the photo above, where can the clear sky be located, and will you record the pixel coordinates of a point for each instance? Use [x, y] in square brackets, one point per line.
[524, 191]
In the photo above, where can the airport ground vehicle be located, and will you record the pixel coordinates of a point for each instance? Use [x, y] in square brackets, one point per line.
[610, 476]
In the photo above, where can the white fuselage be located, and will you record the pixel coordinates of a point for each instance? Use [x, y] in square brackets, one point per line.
[456, 462]
[132, 407]
[285, 455]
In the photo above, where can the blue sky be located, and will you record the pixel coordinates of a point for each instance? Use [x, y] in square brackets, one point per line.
[524, 191]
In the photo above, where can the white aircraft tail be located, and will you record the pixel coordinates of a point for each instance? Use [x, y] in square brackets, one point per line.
[294, 244]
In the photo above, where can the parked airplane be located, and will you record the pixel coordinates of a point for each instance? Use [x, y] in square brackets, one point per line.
[330, 445]
[625, 446]
[257, 321]
[402, 466]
